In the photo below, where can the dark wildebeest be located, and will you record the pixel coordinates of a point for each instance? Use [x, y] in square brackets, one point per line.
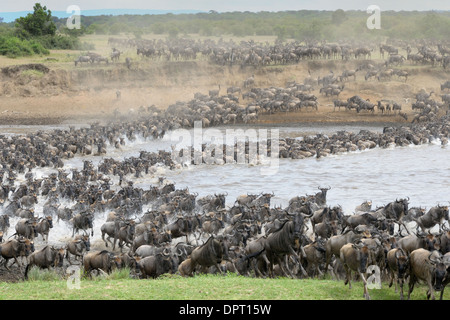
[429, 267]
[366, 206]
[82, 59]
[326, 229]
[212, 226]
[326, 214]
[43, 227]
[186, 268]
[125, 234]
[99, 260]
[314, 256]
[334, 244]
[321, 197]
[45, 258]
[446, 261]
[283, 242]
[28, 201]
[255, 249]
[436, 215]
[211, 253]
[355, 220]
[4, 223]
[356, 257]
[179, 228]
[398, 266]
[11, 208]
[77, 247]
[26, 228]
[412, 242]
[156, 265]
[64, 214]
[396, 210]
[82, 221]
[14, 248]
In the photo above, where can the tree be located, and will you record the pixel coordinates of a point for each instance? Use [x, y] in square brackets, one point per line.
[338, 16]
[38, 23]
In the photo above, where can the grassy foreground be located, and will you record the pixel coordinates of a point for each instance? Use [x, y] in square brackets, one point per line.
[203, 287]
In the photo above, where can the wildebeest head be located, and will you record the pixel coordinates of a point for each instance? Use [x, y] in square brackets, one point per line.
[439, 270]
[58, 257]
[402, 262]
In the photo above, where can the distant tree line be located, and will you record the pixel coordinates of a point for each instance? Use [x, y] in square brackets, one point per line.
[299, 25]
[39, 32]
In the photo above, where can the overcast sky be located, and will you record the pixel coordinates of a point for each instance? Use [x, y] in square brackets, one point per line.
[228, 5]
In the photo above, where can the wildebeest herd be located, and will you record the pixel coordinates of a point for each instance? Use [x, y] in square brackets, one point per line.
[162, 229]
[179, 232]
[251, 53]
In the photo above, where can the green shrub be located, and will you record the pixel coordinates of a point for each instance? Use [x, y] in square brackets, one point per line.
[14, 47]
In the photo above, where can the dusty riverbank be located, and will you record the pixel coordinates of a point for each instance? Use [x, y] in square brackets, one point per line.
[56, 95]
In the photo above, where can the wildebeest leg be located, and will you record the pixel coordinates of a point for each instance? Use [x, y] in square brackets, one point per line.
[297, 258]
[348, 273]
[403, 224]
[412, 281]
[401, 288]
[366, 292]
[282, 267]
[430, 291]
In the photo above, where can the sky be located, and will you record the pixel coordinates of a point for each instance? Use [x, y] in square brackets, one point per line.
[228, 5]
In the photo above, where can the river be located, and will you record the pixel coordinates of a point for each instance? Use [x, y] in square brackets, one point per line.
[421, 173]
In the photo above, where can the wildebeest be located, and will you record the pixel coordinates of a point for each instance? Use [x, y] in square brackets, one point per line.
[64, 214]
[4, 223]
[211, 253]
[179, 228]
[82, 59]
[78, 247]
[82, 221]
[335, 243]
[45, 258]
[43, 227]
[314, 256]
[427, 266]
[364, 207]
[212, 226]
[14, 248]
[26, 228]
[412, 242]
[396, 210]
[436, 215]
[99, 260]
[283, 242]
[398, 266]
[355, 220]
[355, 257]
[186, 268]
[156, 265]
[28, 201]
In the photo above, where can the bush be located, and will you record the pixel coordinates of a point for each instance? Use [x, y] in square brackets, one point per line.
[13, 47]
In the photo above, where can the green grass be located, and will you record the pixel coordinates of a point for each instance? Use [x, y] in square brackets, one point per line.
[202, 287]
